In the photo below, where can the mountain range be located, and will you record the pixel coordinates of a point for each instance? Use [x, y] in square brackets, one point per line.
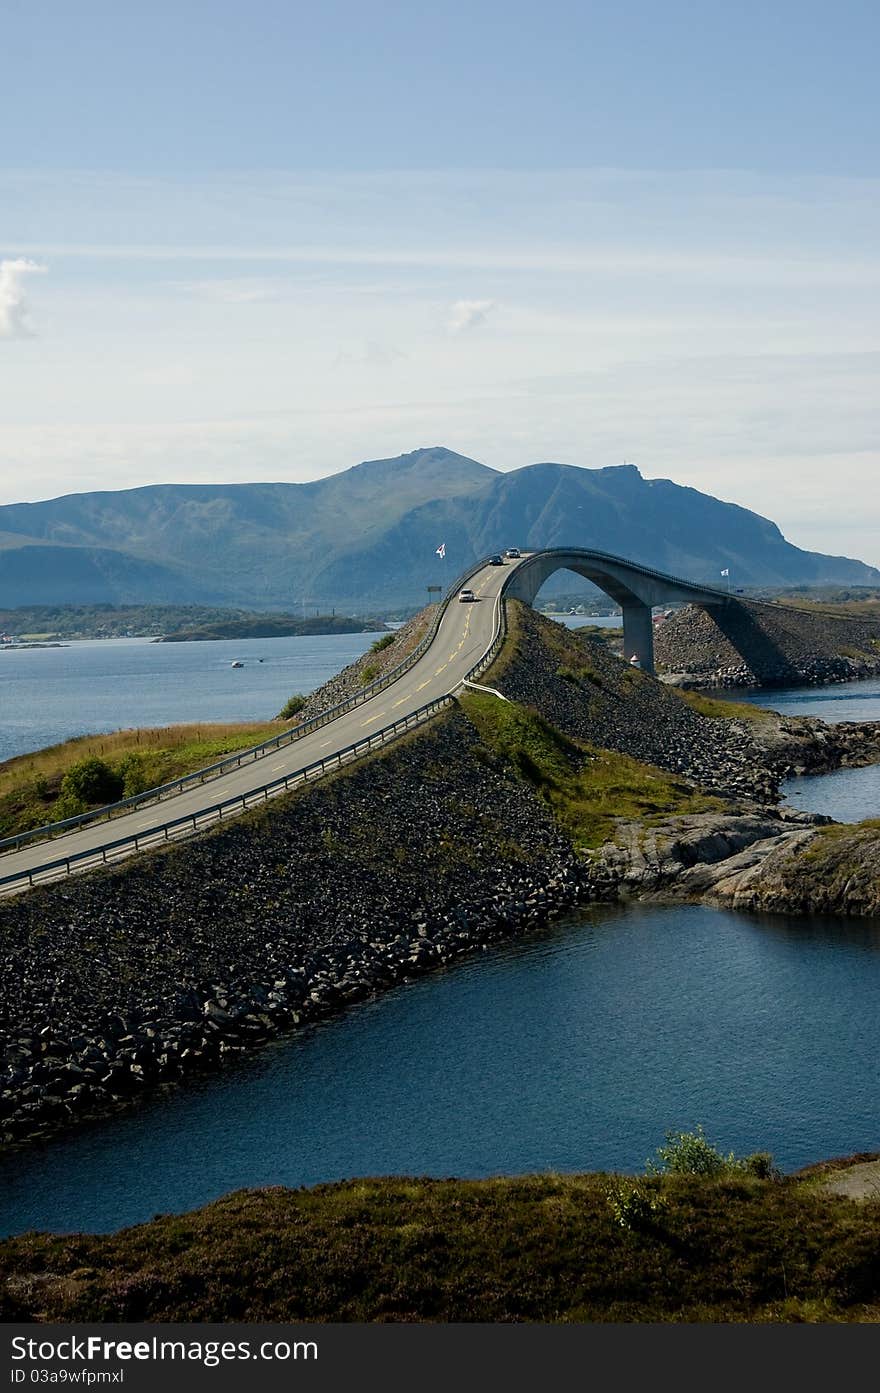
[368, 537]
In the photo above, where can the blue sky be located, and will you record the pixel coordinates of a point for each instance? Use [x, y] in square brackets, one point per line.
[269, 241]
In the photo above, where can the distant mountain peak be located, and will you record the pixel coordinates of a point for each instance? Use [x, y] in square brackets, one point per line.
[367, 537]
[429, 455]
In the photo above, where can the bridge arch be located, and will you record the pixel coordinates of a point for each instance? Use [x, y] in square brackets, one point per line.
[635, 588]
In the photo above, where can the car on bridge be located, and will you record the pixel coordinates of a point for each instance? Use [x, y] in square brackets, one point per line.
[496, 560]
[465, 595]
[514, 553]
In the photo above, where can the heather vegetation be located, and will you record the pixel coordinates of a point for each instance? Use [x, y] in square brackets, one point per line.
[729, 710]
[723, 1246]
[585, 787]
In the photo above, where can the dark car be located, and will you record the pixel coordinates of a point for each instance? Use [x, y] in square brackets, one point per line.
[496, 560]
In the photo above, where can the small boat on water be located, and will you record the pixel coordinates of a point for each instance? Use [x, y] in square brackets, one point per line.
[237, 663]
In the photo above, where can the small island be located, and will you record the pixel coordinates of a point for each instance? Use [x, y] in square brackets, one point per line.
[276, 626]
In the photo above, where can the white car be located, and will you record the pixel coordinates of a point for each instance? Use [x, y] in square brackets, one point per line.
[465, 595]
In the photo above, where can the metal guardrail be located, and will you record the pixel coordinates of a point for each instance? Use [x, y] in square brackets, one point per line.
[695, 585]
[249, 756]
[205, 817]
[180, 827]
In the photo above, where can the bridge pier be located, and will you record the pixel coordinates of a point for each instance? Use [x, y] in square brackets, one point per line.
[635, 588]
[638, 634]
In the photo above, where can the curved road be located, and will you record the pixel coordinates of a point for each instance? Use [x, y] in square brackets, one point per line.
[465, 632]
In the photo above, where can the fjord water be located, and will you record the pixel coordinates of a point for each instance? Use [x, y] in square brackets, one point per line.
[847, 795]
[96, 685]
[572, 1049]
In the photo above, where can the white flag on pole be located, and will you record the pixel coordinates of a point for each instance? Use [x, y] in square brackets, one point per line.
[726, 571]
[441, 550]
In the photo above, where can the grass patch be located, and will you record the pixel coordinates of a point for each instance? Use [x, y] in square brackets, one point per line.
[30, 785]
[726, 710]
[586, 788]
[543, 1248]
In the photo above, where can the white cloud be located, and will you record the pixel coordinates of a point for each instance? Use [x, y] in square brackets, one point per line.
[230, 290]
[14, 323]
[468, 314]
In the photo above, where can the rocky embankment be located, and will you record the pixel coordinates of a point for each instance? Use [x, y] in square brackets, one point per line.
[754, 645]
[594, 697]
[369, 668]
[121, 980]
[131, 978]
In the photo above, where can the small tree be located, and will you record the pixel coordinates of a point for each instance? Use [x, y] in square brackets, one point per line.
[689, 1153]
[291, 707]
[135, 774]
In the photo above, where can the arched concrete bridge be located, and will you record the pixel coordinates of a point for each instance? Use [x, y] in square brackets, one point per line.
[464, 638]
[635, 588]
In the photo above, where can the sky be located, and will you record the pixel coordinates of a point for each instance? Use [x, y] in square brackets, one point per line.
[265, 242]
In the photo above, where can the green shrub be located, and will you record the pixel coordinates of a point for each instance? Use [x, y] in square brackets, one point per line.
[689, 1153]
[92, 782]
[292, 707]
[760, 1164]
[567, 674]
[66, 805]
[368, 673]
[384, 642]
[633, 1206]
[135, 773]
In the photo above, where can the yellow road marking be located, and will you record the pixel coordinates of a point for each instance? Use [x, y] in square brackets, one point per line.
[421, 684]
[398, 703]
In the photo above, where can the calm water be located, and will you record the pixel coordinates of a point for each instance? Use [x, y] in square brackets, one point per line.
[52, 694]
[840, 701]
[575, 1049]
[847, 794]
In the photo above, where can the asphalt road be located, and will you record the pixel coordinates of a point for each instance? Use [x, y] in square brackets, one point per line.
[464, 635]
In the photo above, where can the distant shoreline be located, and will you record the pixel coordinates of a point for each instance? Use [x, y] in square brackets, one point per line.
[286, 628]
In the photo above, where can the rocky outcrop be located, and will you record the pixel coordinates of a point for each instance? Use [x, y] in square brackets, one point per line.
[835, 870]
[806, 745]
[754, 645]
[688, 856]
[784, 862]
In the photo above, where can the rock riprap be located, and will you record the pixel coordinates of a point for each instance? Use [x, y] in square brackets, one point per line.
[755, 645]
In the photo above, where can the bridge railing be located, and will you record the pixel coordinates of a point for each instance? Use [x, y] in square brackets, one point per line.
[249, 756]
[185, 826]
[179, 827]
[651, 571]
